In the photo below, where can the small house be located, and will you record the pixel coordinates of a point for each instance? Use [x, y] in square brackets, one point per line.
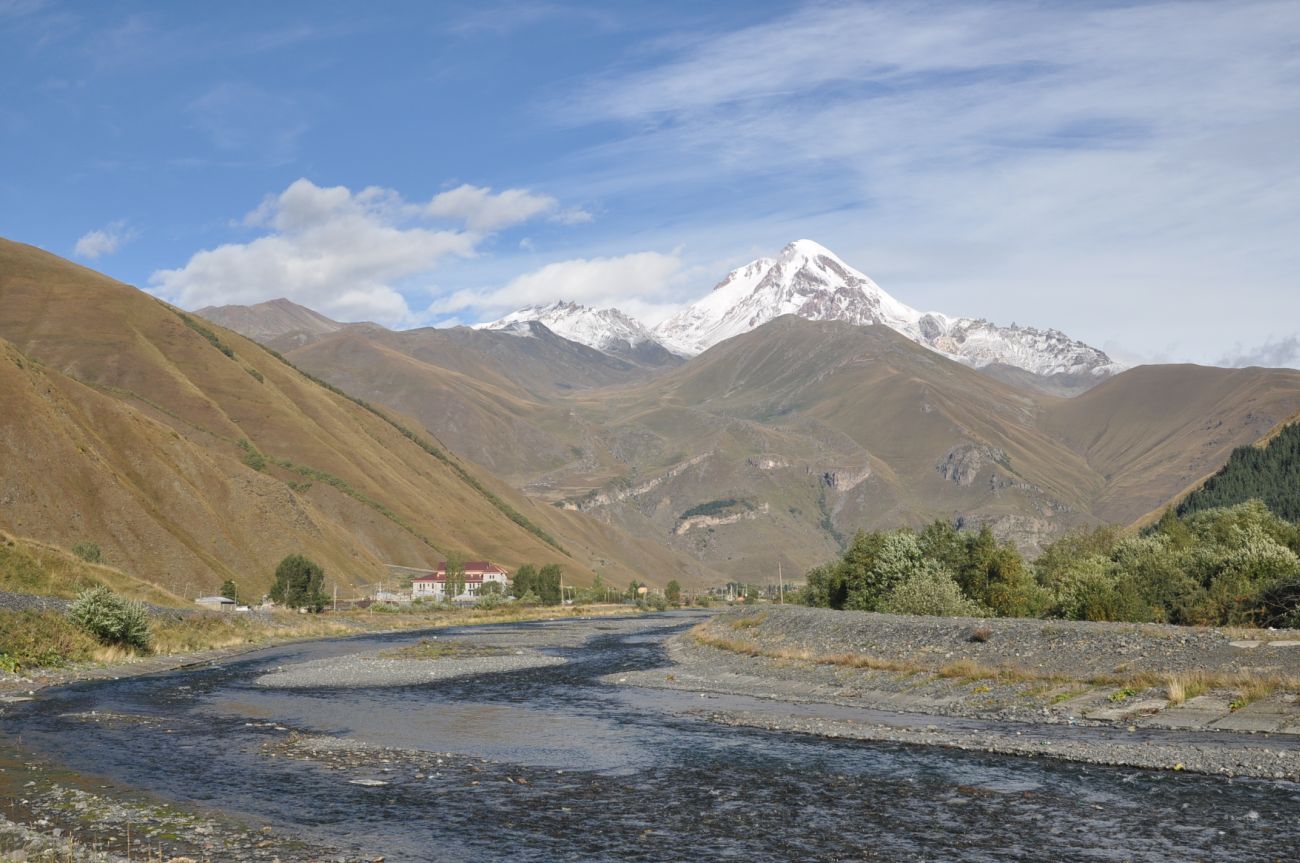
[216, 603]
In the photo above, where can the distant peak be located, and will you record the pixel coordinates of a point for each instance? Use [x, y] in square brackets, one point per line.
[806, 249]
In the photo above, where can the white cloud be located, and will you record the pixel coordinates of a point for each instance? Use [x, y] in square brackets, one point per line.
[354, 256]
[104, 241]
[643, 284]
[481, 210]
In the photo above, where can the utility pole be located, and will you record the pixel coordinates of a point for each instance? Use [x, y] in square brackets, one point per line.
[780, 581]
[336, 596]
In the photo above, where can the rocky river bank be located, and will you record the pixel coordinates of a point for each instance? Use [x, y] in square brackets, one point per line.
[1178, 698]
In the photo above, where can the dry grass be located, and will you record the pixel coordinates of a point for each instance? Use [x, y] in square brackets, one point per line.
[1247, 686]
[751, 621]
[1180, 687]
[963, 669]
[31, 566]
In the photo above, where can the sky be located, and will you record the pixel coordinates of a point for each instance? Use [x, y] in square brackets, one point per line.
[1126, 172]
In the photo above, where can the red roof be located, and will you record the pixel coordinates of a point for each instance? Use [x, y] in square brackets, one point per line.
[474, 571]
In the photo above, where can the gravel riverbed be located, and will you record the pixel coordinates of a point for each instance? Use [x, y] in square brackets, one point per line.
[1049, 703]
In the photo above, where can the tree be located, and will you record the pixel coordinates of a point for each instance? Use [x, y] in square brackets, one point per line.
[230, 590]
[299, 583]
[455, 583]
[633, 589]
[673, 592]
[524, 582]
[548, 584]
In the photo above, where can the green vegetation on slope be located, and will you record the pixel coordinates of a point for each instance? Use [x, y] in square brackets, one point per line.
[1270, 474]
[1234, 565]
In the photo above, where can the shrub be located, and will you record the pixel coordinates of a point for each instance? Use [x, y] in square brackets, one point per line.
[934, 592]
[489, 601]
[111, 619]
[88, 551]
[657, 602]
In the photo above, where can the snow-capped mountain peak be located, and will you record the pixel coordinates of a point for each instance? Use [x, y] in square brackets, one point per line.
[602, 329]
[808, 280]
[805, 279]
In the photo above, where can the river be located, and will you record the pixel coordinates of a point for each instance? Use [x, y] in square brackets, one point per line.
[555, 764]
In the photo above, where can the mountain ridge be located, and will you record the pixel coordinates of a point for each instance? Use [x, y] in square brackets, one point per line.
[810, 281]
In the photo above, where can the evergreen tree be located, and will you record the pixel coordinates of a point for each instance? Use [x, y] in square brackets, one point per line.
[1270, 474]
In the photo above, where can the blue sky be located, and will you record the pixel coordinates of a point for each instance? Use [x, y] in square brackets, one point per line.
[1125, 172]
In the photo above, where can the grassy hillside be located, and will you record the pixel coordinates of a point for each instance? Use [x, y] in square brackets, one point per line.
[1153, 431]
[30, 566]
[191, 454]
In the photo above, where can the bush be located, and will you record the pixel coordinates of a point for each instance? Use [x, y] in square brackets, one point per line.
[934, 593]
[88, 551]
[489, 601]
[657, 602]
[111, 619]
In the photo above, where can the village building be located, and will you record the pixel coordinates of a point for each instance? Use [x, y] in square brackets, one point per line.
[477, 574]
[216, 603]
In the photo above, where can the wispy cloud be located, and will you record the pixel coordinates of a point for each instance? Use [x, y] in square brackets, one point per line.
[251, 121]
[95, 244]
[354, 255]
[1274, 353]
[1041, 161]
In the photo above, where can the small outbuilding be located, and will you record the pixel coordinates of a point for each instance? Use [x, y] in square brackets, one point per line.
[216, 603]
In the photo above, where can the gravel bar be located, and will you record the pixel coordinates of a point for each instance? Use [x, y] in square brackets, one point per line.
[371, 669]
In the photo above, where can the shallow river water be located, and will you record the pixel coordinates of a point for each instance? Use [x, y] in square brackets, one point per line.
[552, 764]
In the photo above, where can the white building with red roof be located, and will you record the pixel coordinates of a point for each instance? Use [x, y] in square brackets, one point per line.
[477, 574]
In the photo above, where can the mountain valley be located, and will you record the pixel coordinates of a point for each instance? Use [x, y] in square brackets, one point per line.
[769, 449]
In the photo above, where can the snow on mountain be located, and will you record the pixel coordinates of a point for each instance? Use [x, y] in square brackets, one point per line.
[810, 281]
[606, 330]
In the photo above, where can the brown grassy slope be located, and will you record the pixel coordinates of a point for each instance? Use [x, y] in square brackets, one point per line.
[30, 566]
[1155, 431]
[270, 319]
[482, 416]
[904, 405]
[162, 485]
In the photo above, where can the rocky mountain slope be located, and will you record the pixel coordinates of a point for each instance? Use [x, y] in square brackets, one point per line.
[607, 330]
[191, 454]
[809, 281]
